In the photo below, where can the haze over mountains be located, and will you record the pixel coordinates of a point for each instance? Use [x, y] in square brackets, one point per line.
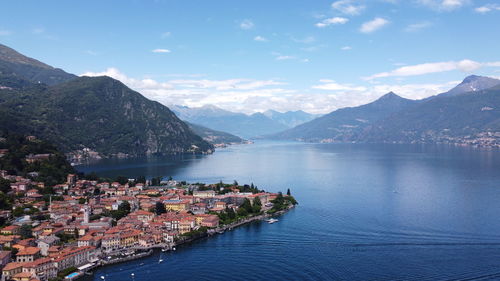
[98, 113]
[240, 124]
[467, 114]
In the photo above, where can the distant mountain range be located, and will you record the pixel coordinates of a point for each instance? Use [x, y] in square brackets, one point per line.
[240, 124]
[96, 113]
[467, 114]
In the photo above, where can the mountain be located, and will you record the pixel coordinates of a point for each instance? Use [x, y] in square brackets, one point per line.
[215, 137]
[239, 124]
[96, 113]
[290, 118]
[472, 83]
[344, 124]
[467, 118]
[15, 65]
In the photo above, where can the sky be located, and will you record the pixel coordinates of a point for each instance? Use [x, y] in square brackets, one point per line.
[251, 56]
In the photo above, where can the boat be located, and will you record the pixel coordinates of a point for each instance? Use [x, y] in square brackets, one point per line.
[174, 248]
[271, 221]
[164, 249]
[160, 260]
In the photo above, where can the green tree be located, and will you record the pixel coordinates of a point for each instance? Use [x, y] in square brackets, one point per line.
[5, 185]
[141, 179]
[257, 205]
[247, 206]
[160, 208]
[25, 231]
[122, 179]
[242, 212]
[82, 200]
[288, 192]
[230, 213]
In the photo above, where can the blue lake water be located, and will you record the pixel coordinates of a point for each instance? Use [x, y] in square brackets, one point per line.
[367, 212]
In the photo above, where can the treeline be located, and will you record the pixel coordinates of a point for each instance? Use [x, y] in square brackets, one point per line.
[51, 171]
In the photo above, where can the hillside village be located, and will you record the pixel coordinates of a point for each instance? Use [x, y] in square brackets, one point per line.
[85, 222]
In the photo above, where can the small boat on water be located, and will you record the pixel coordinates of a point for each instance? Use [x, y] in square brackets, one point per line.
[160, 260]
[174, 249]
[164, 249]
[271, 221]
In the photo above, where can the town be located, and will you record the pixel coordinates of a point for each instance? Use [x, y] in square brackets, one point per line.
[60, 232]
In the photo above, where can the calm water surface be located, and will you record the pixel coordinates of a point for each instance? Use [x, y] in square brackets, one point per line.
[367, 212]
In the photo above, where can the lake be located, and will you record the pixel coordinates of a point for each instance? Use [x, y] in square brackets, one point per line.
[367, 212]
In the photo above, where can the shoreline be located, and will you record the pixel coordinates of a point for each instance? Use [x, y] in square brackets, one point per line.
[148, 251]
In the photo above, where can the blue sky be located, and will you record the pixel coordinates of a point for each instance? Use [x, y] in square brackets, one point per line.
[256, 55]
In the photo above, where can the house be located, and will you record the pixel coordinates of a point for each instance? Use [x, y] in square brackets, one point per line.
[28, 254]
[176, 205]
[142, 215]
[73, 256]
[12, 269]
[10, 230]
[204, 193]
[47, 242]
[44, 269]
[4, 258]
[210, 221]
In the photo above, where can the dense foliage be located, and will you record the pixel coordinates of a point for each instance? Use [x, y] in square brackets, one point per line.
[51, 171]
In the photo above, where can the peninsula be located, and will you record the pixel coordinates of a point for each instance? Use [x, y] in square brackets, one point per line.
[57, 224]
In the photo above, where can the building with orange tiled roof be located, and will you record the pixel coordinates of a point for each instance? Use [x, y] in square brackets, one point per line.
[28, 254]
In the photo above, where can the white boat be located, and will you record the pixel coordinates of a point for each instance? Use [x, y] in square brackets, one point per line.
[272, 220]
[160, 260]
[164, 249]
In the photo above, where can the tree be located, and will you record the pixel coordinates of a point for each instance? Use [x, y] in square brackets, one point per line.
[155, 181]
[230, 213]
[122, 179]
[5, 202]
[141, 179]
[125, 207]
[235, 183]
[160, 208]
[82, 200]
[4, 185]
[25, 231]
[242, 212]
[247, 206]
[288, 192]
[257, 205]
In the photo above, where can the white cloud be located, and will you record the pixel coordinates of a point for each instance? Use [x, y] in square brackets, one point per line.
[373, 25]
[166, 34]
[349, 7]
[331, 85]
[4, 32]
[346, 48]
[418, 26]
[250, 95]
[284, 57]
[427, 68]
[444, 5]
[305, 40]
[487, 8]
[347, 95]
[332, 21]
[260, 39]
[238, 94]
[160, 51]
[90, 52]
[246, 24]
[38, 30]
